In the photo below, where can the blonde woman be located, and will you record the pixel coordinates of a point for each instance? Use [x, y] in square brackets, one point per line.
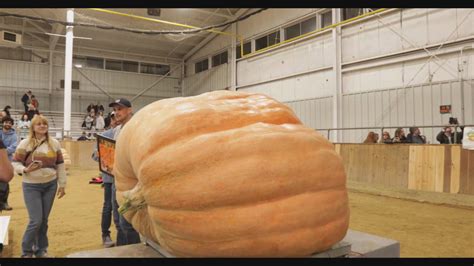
[39, 160]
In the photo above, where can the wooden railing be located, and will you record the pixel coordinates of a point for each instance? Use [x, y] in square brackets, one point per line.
[435, 168]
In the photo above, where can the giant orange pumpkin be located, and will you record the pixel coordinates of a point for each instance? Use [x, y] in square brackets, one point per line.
[230, 174]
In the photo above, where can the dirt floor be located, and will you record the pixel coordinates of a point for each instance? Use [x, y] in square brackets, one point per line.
[423, 229]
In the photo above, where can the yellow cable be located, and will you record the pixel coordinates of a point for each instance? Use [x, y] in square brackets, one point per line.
[157, 20]
[239, 36]
[172, 23]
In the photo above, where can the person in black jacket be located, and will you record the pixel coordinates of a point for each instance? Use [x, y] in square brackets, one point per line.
[415, 136]
[26, 99]
[7, 110]
[399, 136]
[445, 136]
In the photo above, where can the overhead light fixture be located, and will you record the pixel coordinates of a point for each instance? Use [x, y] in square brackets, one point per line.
[153, 11]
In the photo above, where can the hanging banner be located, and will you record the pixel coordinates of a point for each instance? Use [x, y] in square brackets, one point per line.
[468, 138]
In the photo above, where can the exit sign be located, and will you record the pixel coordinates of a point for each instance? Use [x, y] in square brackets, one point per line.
[445, 109]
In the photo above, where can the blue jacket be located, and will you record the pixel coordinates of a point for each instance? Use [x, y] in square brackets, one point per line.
[105, 177]
[10, 140]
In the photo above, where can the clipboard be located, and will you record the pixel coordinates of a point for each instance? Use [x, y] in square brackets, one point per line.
[106, 151]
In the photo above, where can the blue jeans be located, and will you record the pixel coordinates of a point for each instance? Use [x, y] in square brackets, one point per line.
[108, 210]
[39, 200]
[126, 234]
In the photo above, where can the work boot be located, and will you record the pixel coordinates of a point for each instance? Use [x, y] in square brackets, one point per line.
[107, 242]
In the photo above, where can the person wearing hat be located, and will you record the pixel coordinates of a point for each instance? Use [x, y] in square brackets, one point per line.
[123, 113]
[26, 99]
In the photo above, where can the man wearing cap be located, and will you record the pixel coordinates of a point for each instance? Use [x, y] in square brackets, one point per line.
[123, 113]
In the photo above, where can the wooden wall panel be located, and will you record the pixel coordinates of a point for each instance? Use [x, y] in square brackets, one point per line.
[374, 163]
[447, 169]
[466, 179]
[455, 165]
[436, 168]
[80, 153]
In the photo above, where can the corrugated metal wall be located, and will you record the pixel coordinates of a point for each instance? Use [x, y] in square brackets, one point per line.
[402, 89]
[216, 78]
[16, 77]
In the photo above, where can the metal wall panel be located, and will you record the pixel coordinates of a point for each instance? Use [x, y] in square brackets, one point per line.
[314, 113]
[441, 25]
[412, 106]
[466, 28]
[216, 78]
[16, 77]
[297, 58]
[312, 85]
[468, 89]
[350, 44]
[414, 27]
[369, 41]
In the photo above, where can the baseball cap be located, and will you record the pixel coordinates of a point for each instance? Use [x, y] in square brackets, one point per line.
[122, 101]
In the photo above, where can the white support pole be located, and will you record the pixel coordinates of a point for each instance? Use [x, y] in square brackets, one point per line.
[50, 72]
[68, 73]
[233, 61]
[337, 75]
[51, 54]
[183, 76]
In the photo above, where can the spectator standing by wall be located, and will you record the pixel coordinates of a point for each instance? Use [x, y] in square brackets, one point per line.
[25, 99]
[386, 137]
[35, 102]
[370, 138]
[415, 136]
[399, 136]
[445, 136]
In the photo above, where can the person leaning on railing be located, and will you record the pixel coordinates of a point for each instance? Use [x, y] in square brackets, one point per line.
[386, 138]
[415, 136]
[399, 136]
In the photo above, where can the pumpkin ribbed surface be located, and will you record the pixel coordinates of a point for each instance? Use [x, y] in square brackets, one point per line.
[230, 174]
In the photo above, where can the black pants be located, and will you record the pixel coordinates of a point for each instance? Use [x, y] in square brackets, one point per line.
[4, 192]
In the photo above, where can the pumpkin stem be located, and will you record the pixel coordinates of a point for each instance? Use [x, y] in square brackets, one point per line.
[129, 206]
[134, 200]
